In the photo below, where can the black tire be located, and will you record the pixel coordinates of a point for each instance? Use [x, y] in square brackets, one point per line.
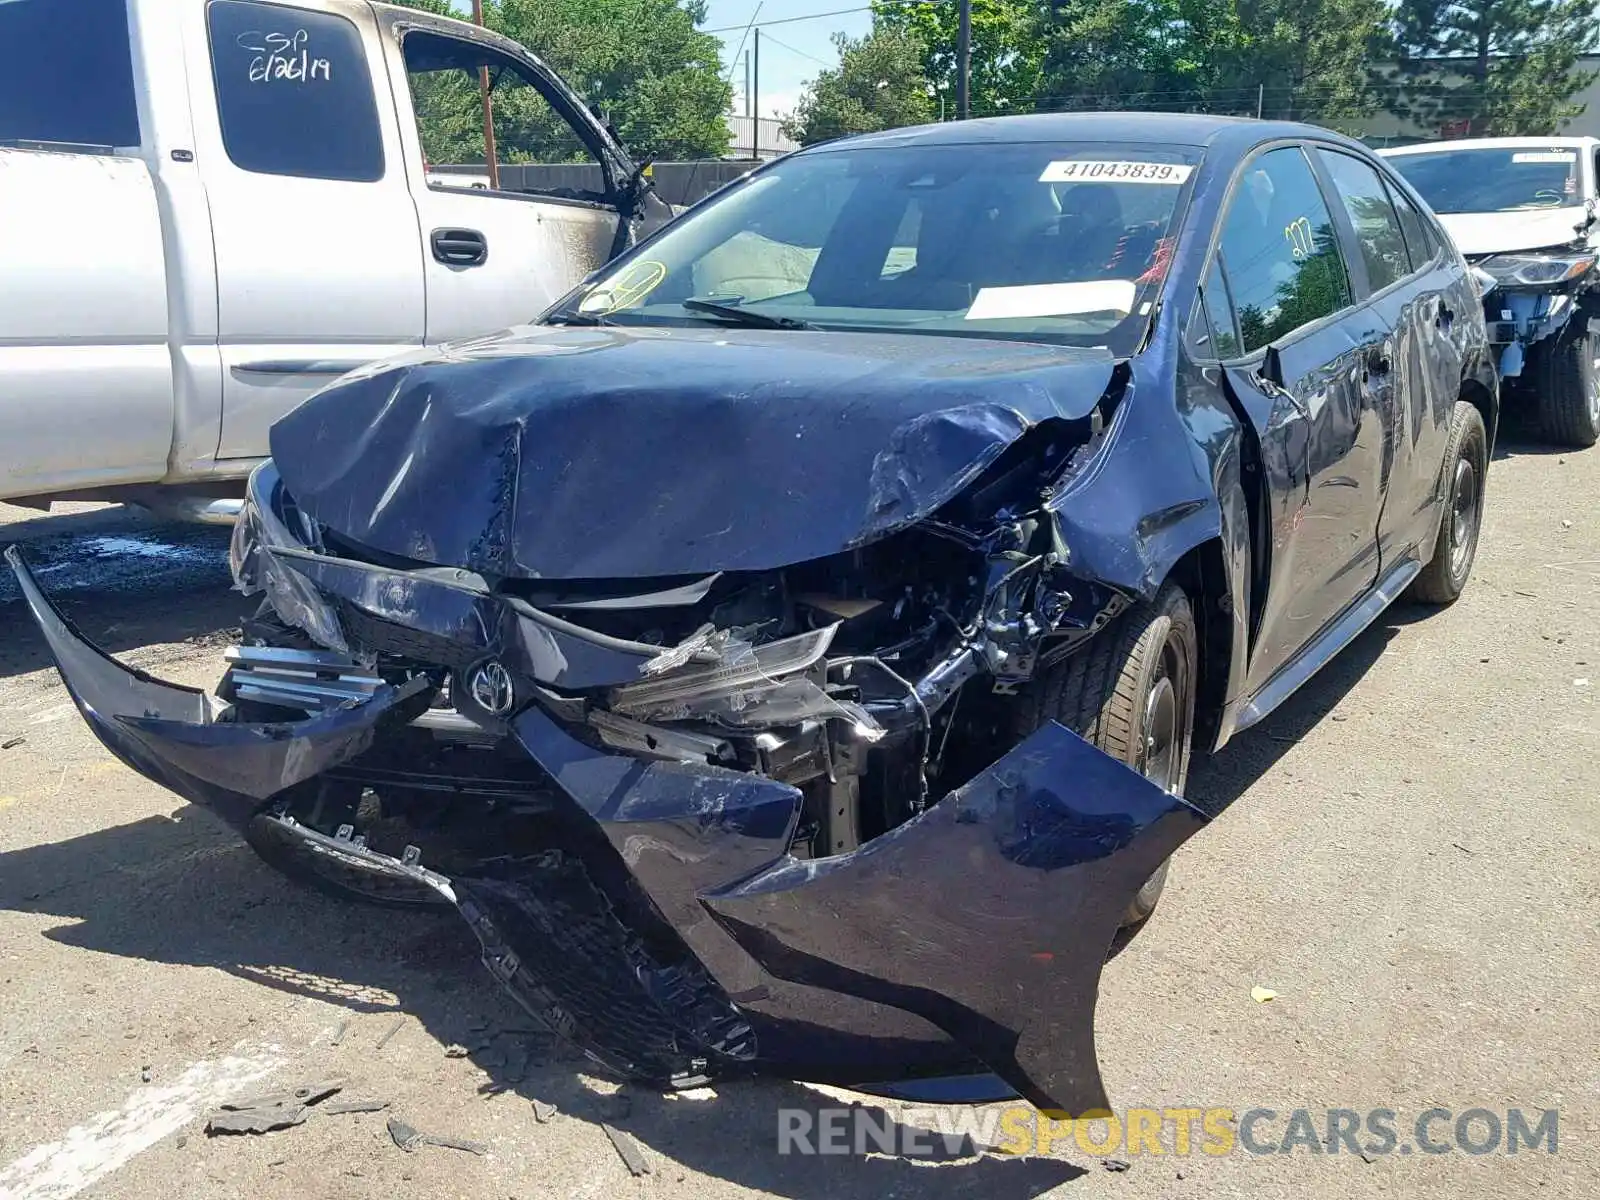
[1465, 473]
[1105, 694]
[1569, 387]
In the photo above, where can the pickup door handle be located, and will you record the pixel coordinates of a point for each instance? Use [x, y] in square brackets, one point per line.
[460, 247]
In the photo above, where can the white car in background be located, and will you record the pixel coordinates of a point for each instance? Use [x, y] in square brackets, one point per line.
[1524, 212]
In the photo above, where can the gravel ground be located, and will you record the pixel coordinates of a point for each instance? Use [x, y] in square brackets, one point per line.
[1410, 866]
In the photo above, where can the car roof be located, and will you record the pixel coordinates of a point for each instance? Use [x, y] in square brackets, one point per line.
[1499, 143]
[1187, 129]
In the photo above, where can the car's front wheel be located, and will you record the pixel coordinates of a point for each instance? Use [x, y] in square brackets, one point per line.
[1466, 469]
[1569, 387]
[1131, 692]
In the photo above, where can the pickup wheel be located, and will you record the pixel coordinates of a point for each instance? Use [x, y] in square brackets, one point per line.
[1131, 692]
[1569, 387]
[1466, 470]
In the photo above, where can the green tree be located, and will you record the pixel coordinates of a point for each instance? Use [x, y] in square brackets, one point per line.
[1117, 54]
[658, 79]
[1310, 60]
[1007, 50]
[879, 83]
[1516, 63]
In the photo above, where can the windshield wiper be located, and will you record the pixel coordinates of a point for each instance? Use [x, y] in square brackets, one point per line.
[743, 316]
[577, 318]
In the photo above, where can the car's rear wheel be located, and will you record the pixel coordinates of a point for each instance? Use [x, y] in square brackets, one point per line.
[1131, 692]
[1569, 391]
[1466, 468]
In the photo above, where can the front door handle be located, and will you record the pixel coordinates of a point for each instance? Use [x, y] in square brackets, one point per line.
[460, 247]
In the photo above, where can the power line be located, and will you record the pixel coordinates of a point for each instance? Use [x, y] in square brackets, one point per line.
[785, 46]
[838, 12]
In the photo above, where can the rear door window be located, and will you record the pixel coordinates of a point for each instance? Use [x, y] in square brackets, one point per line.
[1284, 263]
[1372, 216]
[294, 93]
[66, 73]
[1421, 240]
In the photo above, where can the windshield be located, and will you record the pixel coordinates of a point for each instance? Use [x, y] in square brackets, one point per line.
[1039, 241]
[1498, 179]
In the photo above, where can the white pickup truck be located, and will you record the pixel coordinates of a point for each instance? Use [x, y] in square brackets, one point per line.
[210, 210]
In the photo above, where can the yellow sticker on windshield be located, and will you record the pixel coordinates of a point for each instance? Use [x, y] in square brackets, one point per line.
[1085, 170]
[625, 289]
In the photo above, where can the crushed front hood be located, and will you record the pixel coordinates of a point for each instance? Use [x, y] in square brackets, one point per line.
[1510, 232]
[609, 453]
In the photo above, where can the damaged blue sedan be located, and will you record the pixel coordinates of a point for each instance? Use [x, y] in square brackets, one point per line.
[787, 654]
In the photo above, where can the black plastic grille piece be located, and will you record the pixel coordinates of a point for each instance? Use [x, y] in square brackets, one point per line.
[579, 969]
[379, 636]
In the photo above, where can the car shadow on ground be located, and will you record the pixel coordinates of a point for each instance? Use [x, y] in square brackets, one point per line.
[183, 890]
[1519, 435]
[1217, 780]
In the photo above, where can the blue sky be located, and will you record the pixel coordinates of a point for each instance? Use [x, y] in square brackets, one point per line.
[792, 52]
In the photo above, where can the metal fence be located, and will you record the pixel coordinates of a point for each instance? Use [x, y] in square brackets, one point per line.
[679, 183]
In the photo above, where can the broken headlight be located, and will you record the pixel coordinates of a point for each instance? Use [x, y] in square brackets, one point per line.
[749, 687]
[1536, 270]
[267, 523]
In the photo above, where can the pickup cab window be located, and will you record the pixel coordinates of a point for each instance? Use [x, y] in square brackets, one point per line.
[294, 93]
[66, 74]
[537, 150]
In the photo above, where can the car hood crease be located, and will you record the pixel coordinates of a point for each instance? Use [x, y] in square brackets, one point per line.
[607, 453]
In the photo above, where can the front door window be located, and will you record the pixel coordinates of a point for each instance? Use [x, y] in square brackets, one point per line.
[537, 149]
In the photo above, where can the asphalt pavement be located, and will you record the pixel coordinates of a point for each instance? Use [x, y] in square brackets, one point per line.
[1398, 912]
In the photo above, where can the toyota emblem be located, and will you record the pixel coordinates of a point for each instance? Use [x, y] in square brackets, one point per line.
[492, 689]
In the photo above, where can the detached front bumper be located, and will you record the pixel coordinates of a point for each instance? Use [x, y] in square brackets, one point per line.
[180, 737]
[972, 934]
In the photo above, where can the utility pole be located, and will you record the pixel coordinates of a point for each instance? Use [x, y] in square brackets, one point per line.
[964, 61]
[755, 98]
[747, 111]
[488, 110]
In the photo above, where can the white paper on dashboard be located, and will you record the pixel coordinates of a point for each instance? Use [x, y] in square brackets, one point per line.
[1053, 299]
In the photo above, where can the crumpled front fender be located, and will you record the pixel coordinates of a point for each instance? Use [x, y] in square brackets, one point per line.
[173, 734]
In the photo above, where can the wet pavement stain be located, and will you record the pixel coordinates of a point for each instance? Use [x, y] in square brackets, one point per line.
[176, 558]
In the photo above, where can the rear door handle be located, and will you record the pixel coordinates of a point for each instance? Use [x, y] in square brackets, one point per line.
[460, 247]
